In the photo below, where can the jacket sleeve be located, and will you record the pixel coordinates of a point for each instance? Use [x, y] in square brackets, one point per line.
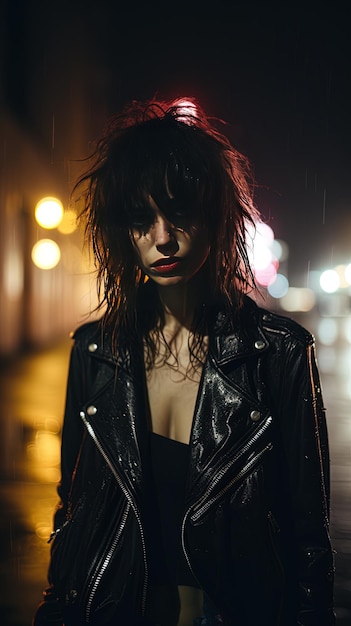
[49, 611]
[73, 429]
[305, 442]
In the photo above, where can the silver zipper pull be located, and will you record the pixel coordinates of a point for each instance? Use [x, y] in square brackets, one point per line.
[57, 531]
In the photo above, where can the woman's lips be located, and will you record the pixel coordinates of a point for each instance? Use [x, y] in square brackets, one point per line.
[165, 266]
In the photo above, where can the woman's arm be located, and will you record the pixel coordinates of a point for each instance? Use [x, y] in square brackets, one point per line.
[305, 442]
[73, 429]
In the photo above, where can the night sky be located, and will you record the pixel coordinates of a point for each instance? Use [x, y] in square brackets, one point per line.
[278, 74]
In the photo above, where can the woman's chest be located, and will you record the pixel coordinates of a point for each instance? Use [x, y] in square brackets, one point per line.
[172, 399]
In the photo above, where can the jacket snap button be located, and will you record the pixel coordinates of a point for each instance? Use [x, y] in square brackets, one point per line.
[92, 347]
[255, 416]
[259, 344]
[91, 410]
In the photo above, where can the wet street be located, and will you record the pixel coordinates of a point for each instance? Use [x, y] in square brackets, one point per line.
[32, 392]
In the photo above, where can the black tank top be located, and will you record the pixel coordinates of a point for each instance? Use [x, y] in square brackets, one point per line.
[165, 510]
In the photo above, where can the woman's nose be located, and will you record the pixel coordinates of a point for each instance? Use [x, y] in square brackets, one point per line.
[162, 231]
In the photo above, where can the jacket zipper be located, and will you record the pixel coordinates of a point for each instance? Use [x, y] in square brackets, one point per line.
[232, 482]
[206, 506]
[132, 504]
[106, 561]
[58, 530]
[237, 477]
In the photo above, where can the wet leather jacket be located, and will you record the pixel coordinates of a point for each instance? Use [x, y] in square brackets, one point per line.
[255, 527]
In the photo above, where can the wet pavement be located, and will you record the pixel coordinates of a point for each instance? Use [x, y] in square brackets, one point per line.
[33, 393]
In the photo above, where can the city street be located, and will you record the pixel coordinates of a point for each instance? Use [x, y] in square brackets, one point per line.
[33, 390]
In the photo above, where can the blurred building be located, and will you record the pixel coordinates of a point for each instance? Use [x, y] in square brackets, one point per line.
[45, 132]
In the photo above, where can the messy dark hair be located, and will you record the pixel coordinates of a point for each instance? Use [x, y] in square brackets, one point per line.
[172, 152]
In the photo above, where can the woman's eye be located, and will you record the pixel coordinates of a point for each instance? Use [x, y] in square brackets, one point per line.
[179, 213]
[179, 219]
[142, 222]
[141, 229]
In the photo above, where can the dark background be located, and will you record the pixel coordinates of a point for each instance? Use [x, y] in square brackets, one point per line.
[277, 73]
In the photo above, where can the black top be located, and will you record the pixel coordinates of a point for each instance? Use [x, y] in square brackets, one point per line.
[169, 463]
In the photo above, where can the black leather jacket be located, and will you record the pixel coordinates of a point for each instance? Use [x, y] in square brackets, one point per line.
[255, 526]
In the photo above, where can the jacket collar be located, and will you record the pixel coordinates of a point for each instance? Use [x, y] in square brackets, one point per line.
[240, 336]
[234, 338]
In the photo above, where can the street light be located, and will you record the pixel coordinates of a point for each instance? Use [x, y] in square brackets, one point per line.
[46, 254]
[49, 212]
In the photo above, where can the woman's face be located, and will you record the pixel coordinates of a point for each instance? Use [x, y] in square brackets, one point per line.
[169, 253]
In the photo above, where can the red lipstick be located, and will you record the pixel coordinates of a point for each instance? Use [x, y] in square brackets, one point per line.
[166, 265]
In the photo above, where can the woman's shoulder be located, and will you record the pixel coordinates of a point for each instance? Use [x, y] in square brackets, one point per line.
[94, 338]
[87, 333]
[277, 324]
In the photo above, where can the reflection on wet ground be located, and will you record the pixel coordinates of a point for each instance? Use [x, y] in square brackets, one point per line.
[33, 393]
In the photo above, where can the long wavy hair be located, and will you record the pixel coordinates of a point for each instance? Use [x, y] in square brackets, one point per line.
[165, 149]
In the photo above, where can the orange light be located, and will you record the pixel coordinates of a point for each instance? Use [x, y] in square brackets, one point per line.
[49, 212]
[46, 254]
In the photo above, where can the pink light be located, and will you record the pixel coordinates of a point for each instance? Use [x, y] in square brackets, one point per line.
[266, 275]
[187, 108]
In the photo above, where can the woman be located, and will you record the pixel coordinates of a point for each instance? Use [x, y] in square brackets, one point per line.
[195, 470]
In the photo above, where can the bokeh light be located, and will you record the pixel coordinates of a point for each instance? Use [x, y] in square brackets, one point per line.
[327, 359]
[298, 299]
[49, 212]
[348, 273]
[280, 249]
[68, 223]
[329, 281]
[327, 331]
[279, 287]
[263, 252]
[46, 254]
[266, 275]
[347, 329]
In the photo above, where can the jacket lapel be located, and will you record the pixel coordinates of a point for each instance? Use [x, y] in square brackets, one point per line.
[228, 410]
[116, 414]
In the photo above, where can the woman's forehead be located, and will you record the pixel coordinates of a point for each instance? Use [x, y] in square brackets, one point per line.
[160, 192]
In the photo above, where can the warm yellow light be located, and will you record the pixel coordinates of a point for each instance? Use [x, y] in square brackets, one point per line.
[49, 212]
[68, 223]
[46, 254]
[298, 299]
[341, 272]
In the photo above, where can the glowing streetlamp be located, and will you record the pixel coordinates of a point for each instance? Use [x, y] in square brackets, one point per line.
[49, 212]
[329, 281]
[46, 254]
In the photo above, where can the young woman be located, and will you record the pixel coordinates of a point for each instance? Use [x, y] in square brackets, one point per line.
[195, 470]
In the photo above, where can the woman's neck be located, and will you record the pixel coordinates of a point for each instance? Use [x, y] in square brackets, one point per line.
[177, 346]
[179, 304]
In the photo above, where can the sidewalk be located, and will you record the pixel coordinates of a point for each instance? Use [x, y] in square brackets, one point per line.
[33, 394]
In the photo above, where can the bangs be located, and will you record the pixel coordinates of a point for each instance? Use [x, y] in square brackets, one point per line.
[166, 162]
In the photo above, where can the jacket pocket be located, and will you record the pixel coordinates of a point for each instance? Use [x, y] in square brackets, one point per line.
[84, 549]
[229, 480]
[64, 546]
